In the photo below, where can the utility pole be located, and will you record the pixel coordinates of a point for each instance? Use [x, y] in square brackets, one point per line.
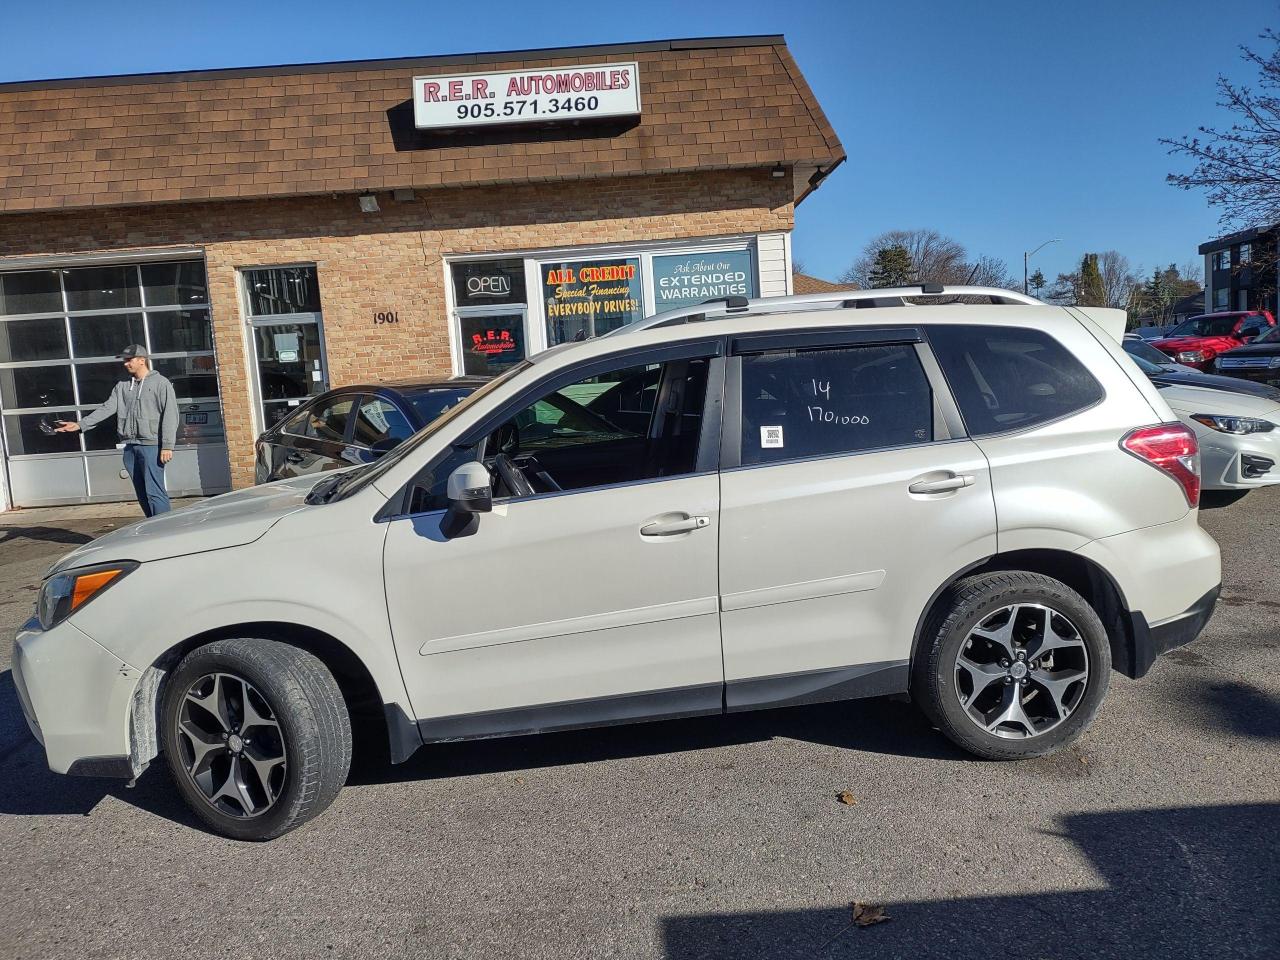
[1026, 257]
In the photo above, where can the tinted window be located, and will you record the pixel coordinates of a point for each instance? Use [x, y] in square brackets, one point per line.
[1207, 327]
[34, 291]
[813, 403]
[36, 387]
[324, 421]
[1008, 378]
[174, 284]
[1140, 348]
[100, 288]
[561, 442]
[105, 335]
[380, 422]
[432, 403]
[33, 340]
[282, 290]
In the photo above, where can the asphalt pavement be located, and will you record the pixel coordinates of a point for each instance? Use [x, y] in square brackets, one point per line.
[1157, 835]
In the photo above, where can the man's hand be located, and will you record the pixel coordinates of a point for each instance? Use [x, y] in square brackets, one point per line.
[165, 456]
[66, 426]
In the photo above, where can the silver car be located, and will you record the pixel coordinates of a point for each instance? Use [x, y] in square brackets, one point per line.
[744, 504]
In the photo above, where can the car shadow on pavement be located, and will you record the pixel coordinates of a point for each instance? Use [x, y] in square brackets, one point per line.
[46, 534]
[1243, 710]
[1185, 882]
[878, 725]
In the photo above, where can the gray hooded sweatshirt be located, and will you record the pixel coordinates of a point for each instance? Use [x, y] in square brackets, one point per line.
[146, 411]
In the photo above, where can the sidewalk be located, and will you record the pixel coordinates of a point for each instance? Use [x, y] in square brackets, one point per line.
[52, 516]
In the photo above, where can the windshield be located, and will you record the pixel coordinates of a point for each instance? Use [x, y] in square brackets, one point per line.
[1206, 327]
[356, 480]
[1271, 336]
[1144, 350]
[432, 403]
[1145, 365]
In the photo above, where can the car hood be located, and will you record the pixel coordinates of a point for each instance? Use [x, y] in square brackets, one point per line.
[230, 520]
[1174, 344]
[1195, 378]
[1269, 349]
[1186, 399]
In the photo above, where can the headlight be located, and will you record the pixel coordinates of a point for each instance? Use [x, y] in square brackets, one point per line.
[1193, 356]
[1233, 424]
[1275, 362]
[65, 593]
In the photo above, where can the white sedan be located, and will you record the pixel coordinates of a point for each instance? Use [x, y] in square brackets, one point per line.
[1239, 435]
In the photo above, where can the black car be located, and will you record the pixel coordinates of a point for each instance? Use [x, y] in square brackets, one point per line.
[1258, 361]
[354, 425]
[1163, 378]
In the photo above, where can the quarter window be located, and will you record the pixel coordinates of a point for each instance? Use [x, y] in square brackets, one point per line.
[1010, 378]
[827, 402]
[380, 423]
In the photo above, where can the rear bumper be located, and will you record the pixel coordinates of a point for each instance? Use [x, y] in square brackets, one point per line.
[1147, 641]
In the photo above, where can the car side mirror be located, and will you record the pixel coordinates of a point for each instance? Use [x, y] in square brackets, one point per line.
[470, 493]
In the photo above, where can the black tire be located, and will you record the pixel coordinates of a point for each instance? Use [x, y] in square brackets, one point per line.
[307, 720]
[971, 602]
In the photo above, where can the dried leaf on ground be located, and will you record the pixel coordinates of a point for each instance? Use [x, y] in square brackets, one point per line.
[847, 798]
[865, 914]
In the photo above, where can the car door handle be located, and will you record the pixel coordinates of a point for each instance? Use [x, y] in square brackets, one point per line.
[669, 528]
[295, 456]
[946, 484]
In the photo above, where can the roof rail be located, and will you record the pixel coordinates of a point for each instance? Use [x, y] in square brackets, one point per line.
[722, 307]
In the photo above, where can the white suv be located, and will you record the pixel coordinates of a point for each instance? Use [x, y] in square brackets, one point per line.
[729, 507]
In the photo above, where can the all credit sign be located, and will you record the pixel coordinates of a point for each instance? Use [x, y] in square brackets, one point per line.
[527, 96]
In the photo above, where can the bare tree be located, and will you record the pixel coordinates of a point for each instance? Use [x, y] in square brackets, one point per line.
[1192, 271]
[1239, 166]
[797, 265]
[935, 258]
[1118, 279]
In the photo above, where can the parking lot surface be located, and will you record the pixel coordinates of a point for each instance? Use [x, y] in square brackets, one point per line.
[1157, 835]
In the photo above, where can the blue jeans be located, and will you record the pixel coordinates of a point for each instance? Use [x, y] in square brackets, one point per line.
[142, 460]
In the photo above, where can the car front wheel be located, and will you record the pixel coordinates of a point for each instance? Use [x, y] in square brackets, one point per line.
[1015, 665]
[256, 735]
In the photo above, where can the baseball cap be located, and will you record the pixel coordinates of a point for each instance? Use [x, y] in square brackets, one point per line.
[133, 350]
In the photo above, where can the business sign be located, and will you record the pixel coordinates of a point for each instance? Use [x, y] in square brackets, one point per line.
[543, 95]
[682, 280]
[486, 282]
[491, 344]
[589, 298]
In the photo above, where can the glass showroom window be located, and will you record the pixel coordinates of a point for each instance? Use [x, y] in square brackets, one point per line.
[61, 332]
[283, 306]
[587, 298]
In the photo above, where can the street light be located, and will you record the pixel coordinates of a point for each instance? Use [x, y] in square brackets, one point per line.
[1027, 256]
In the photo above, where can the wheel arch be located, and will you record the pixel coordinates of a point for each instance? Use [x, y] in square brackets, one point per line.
[376, 719]
[1087, 578]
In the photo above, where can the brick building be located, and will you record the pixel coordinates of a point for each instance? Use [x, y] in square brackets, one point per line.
[272, 232]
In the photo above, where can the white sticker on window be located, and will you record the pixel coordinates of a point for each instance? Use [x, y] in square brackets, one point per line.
[771, 436]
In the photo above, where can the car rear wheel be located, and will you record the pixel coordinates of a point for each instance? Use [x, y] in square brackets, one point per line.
[256, 735]
[1015, 665]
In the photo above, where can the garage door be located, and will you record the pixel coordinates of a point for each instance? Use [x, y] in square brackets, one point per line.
[61, 330]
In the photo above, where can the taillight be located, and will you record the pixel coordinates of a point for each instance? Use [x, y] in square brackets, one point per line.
[1171, 448]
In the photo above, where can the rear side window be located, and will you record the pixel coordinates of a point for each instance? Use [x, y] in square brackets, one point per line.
[827, 402]
[1011, 378]
[323, 421]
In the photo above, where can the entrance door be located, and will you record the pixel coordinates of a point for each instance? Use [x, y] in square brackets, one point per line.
[589, 593]
[851, 502]
[291, 366]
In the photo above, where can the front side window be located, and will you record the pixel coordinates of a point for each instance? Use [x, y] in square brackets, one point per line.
[1011, 378]
[634, 423]
[833, 401]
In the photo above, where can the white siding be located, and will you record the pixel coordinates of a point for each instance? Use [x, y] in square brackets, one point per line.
[773, 251]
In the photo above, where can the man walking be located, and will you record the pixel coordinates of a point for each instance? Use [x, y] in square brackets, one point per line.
[146, 412]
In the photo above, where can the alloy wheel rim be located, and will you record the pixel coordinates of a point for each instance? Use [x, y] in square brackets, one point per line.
[231, 745]
[1022, 671]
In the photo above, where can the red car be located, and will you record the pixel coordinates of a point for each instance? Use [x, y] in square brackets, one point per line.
[1196, 341]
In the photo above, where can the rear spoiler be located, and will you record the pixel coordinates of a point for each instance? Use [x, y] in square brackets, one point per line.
[1110, 319]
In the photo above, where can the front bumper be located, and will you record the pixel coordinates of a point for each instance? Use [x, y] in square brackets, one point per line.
[76, 697]
[1243, 462]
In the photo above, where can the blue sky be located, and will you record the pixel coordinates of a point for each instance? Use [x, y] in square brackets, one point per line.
[1002, 124]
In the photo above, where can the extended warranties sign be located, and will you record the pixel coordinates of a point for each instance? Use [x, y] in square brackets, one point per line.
[685, 279]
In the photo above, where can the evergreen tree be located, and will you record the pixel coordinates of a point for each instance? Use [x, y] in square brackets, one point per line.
[1092, 291]
[1037, 282]
[892, 268]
